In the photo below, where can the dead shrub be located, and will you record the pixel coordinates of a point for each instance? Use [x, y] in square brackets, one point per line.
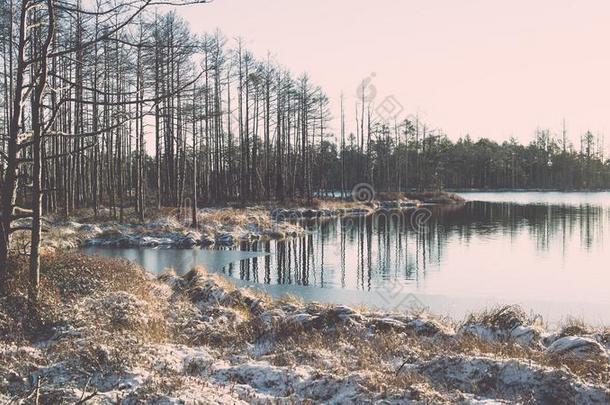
[574, 327]
[503, 318]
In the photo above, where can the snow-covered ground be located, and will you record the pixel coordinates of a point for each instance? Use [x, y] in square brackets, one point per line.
[116, 334]
[216, 226]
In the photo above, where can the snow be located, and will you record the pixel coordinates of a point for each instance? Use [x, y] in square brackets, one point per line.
[221, 344]
[505, 324]
[510, 379]
[577, 346]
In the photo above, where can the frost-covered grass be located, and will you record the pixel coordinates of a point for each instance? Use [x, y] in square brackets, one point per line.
[169, 228]
[173, 227]
[107, 331]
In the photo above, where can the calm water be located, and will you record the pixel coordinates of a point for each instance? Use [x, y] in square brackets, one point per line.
[545, 251]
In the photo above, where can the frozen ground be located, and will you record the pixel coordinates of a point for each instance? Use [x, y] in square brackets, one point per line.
[108, 332]
[216, 226]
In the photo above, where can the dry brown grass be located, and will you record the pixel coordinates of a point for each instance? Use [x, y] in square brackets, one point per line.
[574, 327]
[502, 318]
[74, 275]
[231, 218]
[592, 370]
[340, 203]
[440, 196]
[116, 309]
[378, 359]
[389, 196]
[301, 203]
[99, 314]
[315, 203]
[68, 278]
[294, 343]
[473, 345]
[360, 350]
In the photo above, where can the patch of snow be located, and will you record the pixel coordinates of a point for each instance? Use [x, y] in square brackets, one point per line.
[512, 380]
[577, 346]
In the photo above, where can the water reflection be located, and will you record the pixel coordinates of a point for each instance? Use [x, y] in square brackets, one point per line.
[548, 257]
[528, 241]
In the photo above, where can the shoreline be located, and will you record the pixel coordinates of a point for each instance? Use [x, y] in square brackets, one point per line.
[381, 299]
[217, 227]
[118, 333]
[526, 190]
[108, 331]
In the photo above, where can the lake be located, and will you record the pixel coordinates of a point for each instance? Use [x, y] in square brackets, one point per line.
[546, 251]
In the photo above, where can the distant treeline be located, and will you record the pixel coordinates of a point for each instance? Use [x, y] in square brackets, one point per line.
[409, 157]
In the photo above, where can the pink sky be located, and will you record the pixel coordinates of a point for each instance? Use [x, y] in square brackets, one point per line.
[488, 68]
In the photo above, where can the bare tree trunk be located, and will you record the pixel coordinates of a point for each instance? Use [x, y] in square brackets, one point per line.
[37, 126]
[9, 183]
[194, 223]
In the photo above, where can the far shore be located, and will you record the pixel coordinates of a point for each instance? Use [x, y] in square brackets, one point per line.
[226, 225]
[525, 190]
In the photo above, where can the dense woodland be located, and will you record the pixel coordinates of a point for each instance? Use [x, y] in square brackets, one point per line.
[118, 104]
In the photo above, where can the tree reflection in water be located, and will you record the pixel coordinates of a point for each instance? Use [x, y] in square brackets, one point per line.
[364, 253]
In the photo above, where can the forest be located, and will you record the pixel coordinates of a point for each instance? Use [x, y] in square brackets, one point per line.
[119, 105]
[181, 221]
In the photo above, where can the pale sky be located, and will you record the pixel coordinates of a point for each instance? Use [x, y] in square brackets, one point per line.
[484, 67]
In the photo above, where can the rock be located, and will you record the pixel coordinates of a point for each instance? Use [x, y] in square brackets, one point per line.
[343, 311]
[224, 240]
[90, 242]
[430, 327]
[438, 200]
[186, 242]
[198, 365]
[302, 319]
[278, 213]
[525, 335]
[386, 324]
[347, 315]
[309, 213]
[389, 204]
[511, 380]
[147, 241]
[206, 240]
[577, 346]
[143, 238]
[124, 242]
